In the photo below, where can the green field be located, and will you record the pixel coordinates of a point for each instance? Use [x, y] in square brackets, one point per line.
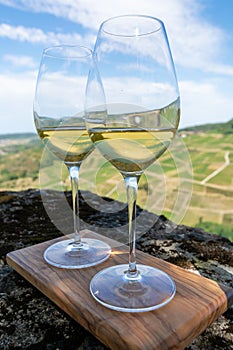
[192, 183]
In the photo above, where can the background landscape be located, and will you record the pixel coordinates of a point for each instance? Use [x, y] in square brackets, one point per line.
[205, 187]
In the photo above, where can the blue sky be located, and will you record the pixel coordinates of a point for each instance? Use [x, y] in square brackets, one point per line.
[200, 34]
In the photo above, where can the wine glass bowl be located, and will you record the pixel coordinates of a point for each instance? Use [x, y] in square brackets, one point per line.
[132, 114]
[59, 120]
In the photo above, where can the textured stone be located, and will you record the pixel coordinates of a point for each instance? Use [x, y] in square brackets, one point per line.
[28, 320]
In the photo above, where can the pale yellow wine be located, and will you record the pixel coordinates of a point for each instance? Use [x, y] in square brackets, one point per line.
[131, 150]
[71, 145]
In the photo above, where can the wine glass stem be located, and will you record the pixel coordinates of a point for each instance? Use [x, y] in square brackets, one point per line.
[74, 179]
[132, 189]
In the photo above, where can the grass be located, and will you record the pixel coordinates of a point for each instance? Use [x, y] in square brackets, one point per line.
[226, 177]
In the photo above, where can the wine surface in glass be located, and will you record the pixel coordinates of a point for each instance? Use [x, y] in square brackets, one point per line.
[131, 150]
[71, 144]
[133, 142]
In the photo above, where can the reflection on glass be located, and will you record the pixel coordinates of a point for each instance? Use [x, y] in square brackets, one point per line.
[132, 114]
[59, 120]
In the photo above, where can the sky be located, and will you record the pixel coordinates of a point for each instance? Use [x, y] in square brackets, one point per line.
[200, 33]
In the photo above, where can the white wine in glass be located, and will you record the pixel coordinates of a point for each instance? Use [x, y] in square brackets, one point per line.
[132, 114]
[59, 120]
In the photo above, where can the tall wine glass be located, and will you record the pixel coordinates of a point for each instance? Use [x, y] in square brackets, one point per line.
[132, 114]
[59, 120]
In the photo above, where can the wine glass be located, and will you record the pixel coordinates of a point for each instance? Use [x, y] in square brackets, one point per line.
[59, 120]
[132, 113]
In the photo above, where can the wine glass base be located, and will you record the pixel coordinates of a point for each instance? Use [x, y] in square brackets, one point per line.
[68, 255]
[151, 290]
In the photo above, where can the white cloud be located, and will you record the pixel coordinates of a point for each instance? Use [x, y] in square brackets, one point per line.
[204, 103]
[20, 61]
[223, 69]
[16, 96]
[61, 94]
[35, 35]
[195, 42]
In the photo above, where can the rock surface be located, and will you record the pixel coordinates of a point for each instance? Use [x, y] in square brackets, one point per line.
[28, 320]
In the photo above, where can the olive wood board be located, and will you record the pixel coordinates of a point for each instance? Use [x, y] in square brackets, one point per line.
[198, 301]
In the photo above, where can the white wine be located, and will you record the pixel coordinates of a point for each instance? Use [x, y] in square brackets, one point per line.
[131, 150]
[71, 144]
[133, 141]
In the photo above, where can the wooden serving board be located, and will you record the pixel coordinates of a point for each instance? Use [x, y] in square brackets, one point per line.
[197, 303]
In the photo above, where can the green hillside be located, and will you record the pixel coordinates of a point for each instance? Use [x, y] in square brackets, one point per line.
[19, 161]
[161, 188]
[21, 136]
[222, 128]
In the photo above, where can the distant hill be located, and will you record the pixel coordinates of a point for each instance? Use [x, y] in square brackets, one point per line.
[221, 128]
[18, 136]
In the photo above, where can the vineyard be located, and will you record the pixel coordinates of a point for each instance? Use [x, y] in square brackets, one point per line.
[192, 183]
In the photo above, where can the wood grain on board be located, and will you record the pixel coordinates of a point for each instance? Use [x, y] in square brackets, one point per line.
[198, 301]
